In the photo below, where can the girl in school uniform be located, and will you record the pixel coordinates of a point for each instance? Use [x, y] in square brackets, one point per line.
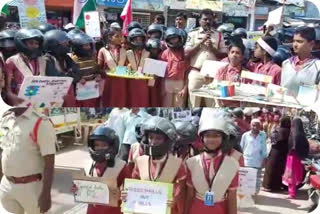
[103, 148]
[158, 164]
[213, 174]
[138, 94]
[109, 57]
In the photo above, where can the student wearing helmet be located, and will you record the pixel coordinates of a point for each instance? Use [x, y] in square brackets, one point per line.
[27, 62]
[187, 136]
[103, 147]
[57, 46]
[213, 174]
[84, 55]
[7, 49]
[175, 84]
[157, 164]
[7, 45]
[136, 149]
[109, 57]
[154, 46]
[138, 90]
[155, 31]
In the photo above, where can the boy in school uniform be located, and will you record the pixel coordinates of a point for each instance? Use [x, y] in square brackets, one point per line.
[302, 69]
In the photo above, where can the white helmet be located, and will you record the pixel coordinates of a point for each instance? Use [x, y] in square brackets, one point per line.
[216, 119]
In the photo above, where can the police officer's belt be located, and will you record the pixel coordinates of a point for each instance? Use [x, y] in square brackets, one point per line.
[25, 179]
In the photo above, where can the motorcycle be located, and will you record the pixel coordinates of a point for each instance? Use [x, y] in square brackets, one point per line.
[313, 178]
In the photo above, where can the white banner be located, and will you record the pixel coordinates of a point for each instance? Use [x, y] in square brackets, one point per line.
[92, 24]
[41, 91]
[32, 13]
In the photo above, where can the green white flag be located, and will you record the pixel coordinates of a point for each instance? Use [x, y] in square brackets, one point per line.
[79, 8]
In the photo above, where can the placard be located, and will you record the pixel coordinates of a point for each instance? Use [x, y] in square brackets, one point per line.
[247, 181]
[89, 90]
[31, 13]
[275, 93]
[307, 95]
[155, 67]
[147, 197]
[275, 17]
[92, 24]
[94, 190]
[42, 91]
[91, 192]
[210, 67]
[182, 115]
[256, 77]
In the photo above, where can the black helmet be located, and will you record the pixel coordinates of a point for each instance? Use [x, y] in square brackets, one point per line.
[226, 28]
[108, 136]
[173, 32]
[240, 32]
[53, 42]
[78, 41]
[134, 25]
[238, 113]
[28, 34]
[283, 53]
[162, 126]
[7, 38]
[74, 32]
[186, 130]
[153, 43]
[45, 27]
[137, 32]
[155, 28]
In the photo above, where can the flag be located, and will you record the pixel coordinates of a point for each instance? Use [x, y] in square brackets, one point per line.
[4, 7]
[79, 8]
[126, 16]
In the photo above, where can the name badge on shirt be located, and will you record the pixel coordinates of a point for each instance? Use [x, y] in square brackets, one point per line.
[209, 199]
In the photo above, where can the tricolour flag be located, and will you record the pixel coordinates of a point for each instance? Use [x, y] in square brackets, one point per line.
[126, 16]
[79, 8]
[4, 6]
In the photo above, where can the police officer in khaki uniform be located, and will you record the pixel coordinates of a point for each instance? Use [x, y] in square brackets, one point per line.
[204, 43]
[27, 140]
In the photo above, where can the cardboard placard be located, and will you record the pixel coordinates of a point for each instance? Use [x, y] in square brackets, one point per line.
[307, 95]
[92, 24]
[155, 67]
[43, 91]
[94, 189]
[147, 197]
[247, 181]
[210, 67]
[89, 90]
[256, 77]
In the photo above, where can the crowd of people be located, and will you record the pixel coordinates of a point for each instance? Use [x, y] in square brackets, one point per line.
[70, 52]
[191, 154]
[200, 156]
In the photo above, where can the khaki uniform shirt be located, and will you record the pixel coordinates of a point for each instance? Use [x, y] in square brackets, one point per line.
[195, 37]
[21, 155]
